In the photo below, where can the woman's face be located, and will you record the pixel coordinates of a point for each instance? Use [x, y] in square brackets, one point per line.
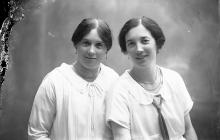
[141, 46]
[90, 50]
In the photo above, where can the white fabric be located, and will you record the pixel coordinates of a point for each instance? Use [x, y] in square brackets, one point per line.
[130, 106]
[66, 107]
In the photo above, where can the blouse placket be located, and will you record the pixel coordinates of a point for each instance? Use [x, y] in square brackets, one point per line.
[94, 91]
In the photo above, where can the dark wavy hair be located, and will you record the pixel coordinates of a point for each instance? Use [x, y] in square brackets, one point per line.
[87, 25]
[149, 24]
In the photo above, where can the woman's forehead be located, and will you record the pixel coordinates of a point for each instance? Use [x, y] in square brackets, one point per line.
[93, 35]
[137, 32]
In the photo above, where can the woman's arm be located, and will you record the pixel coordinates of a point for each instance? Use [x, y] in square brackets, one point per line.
[42, 113]
[119, 132]
[190, 133]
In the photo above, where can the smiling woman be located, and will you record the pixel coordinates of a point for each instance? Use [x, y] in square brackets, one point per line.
[141, 46]
[92, 39]
[153, 101]
[90, 51]
[69, 103]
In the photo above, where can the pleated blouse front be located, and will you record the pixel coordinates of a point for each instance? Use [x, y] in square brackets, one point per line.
[66, 107]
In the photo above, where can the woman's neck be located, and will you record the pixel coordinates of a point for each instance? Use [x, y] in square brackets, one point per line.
[87, 74]
[145, 74]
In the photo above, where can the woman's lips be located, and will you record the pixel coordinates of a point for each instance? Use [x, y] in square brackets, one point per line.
[90, 57]
[141, 57]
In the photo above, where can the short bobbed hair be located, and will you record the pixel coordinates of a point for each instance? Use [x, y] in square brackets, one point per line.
[89, 24]
[149, 24]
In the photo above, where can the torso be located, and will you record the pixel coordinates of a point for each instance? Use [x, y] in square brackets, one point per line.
[81, 106]
[143, 115]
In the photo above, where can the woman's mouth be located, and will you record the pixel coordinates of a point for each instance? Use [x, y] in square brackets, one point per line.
[141, 57]
[90, 57]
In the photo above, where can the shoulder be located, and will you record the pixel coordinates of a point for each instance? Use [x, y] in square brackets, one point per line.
[108, 69]
[109, 72]
[122, 85]
[175, 81]
[170, 74]
[168, 71]
[57, 74]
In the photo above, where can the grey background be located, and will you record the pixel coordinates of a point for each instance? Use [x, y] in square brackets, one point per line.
[41, 42]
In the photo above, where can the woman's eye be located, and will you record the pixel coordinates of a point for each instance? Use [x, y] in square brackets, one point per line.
[130, 44]
[86, 43]
[145, 41]
[99, 45]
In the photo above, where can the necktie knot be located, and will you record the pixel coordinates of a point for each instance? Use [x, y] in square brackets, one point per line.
[157, 101]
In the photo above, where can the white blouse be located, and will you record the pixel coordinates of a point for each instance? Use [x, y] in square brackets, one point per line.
[130, 106]
[66, 107]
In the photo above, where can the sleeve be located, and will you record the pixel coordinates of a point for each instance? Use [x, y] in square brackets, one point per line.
[43, 112]
[117, 108]
[185, 96]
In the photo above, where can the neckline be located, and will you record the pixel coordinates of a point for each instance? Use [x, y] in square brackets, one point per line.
[146, 92]
[156, 88]
[85, 81]
[140, 84]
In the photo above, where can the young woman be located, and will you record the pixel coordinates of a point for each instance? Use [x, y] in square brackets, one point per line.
[69, 104]
[148, 102]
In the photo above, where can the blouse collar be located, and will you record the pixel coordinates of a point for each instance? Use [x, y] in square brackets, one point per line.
[143, 96]
[85, 87]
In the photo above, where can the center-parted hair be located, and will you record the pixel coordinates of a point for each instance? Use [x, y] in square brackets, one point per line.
[149, 24]
[89, 24]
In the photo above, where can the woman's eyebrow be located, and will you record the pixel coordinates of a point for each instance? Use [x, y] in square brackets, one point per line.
[101, 42]
[85, 39]
[129, 40]
[144, 37]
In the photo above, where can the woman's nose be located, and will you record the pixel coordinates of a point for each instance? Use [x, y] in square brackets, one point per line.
[91, 50]
[139, 48]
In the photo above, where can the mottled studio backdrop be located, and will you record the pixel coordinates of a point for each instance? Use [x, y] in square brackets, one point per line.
[41, 42]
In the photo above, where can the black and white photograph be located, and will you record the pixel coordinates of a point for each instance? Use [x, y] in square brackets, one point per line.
[109, 70]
